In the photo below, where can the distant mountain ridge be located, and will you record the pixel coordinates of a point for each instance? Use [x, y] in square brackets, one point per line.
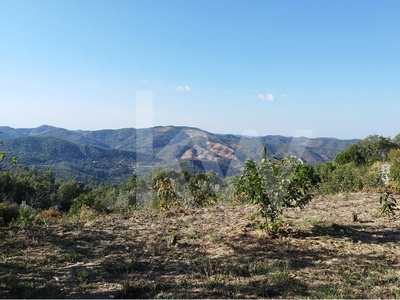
[128, 149]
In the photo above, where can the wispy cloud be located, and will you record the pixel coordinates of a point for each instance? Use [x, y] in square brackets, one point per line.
[268, 97]
[149, 81]
[185, 88]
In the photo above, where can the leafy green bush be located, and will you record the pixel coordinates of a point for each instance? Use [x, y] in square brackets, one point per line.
[8, 212]
[68, 191]
[275, 185]
[343, 178]
[201, 188]
[88, 200]
[372, 179]
[26, 216]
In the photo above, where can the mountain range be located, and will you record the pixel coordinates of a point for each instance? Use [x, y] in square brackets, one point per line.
[113, 155]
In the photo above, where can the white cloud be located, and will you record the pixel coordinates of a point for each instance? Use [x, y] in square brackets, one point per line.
[145, 81]
[268, 97]
[185, 88]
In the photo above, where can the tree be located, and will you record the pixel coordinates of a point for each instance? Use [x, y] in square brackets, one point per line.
[274, 185]
[68, 191]
[396, 140]
[375, 147]
[166, 196]
[12, 160]
[351, 154]
[371, 149]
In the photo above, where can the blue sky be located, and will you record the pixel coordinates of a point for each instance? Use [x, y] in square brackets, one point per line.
[330, 68]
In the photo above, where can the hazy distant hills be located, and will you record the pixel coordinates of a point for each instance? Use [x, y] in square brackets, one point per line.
[112, 155]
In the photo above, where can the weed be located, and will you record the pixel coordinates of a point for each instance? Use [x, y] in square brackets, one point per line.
[24, 289]
[214, 281]
[214, 237]
[138, 289]
[259, 267]
[279, 274]
[83, 275]
[70, 257]
[193, 235]
[172, 238]
[132, 266]
[330, 292]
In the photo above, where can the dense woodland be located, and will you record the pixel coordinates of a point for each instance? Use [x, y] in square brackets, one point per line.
[358, 168]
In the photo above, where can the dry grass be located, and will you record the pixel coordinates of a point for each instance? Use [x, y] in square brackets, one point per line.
[214, 252]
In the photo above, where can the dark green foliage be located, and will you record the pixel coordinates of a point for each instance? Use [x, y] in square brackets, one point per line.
[68, 191]
[371, 149]
[201, 186]
[8, 212]
[12, 160]
[89, 200]
[72, 161]
[351, 154]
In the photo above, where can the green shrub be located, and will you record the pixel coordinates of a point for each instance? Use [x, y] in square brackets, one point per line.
[26, 216]
[275, 185]
[344, 178]
[388, 204]
[8, 212]
[89, 200]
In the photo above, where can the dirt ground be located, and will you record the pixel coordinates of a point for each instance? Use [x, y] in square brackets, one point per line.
[212, 252]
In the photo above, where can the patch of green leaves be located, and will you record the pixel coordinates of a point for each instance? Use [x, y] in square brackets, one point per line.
[388, 204]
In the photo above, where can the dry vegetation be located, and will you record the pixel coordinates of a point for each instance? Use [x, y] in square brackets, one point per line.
[213, 252]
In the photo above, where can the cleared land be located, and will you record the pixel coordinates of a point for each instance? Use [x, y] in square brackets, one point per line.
[214, 252]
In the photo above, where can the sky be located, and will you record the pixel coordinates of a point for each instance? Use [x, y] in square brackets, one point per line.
[324, 68]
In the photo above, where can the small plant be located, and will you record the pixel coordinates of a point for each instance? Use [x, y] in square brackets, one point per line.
[172, 238]
[70, 257]
[330, 292]
[274, 185]
[166, 196]
[83, 275]
[388, 204]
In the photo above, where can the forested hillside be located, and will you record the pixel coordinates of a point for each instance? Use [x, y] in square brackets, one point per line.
[111, 155]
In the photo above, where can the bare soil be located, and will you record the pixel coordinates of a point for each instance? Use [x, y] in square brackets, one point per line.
[324, 251]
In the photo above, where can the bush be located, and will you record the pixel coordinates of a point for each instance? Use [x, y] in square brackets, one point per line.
[26, 216]
[88, 200]
[275, 185]
[8, 213]
[344, 178]
[166, 197]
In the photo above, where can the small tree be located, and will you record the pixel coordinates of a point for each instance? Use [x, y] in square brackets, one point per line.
[166, 196]
[274, 185]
